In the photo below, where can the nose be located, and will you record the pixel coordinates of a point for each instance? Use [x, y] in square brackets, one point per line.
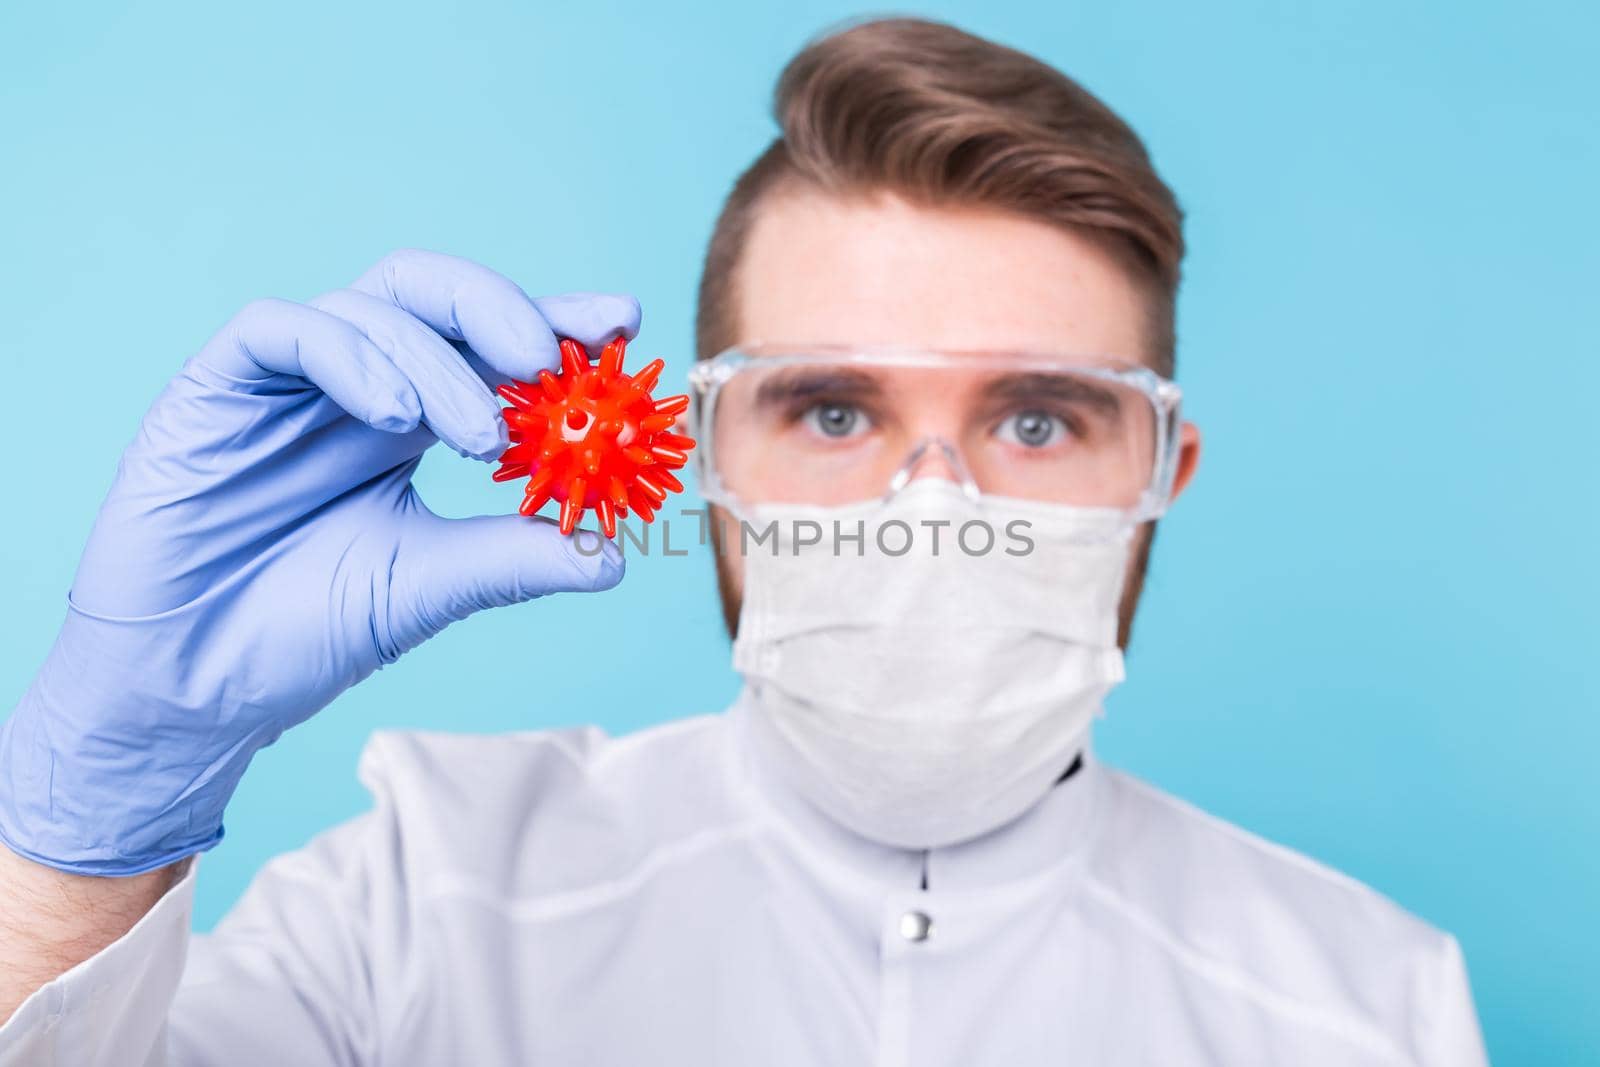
[936, 463]
[933, 457]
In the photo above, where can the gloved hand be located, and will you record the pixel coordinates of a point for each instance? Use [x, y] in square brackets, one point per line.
[263, 549]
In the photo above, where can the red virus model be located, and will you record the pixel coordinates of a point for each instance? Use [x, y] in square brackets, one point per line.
[592, 437]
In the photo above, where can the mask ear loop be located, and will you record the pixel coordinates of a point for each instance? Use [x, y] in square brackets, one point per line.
[920, 451]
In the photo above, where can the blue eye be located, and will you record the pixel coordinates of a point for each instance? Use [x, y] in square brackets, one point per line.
[835, 420]
[1032, 429]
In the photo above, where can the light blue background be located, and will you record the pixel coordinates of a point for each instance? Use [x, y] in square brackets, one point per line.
[1371, 630]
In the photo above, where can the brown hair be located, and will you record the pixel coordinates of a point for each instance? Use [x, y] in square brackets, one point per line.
[939, 116]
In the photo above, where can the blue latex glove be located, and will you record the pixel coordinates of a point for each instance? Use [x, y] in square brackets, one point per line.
[262, 550]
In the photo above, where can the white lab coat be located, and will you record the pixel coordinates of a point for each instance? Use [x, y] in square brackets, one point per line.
[567, 898]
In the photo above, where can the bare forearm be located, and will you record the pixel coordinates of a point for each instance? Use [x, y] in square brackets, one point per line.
[51, 921]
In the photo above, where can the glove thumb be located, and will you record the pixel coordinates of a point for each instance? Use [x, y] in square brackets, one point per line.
[463, 566]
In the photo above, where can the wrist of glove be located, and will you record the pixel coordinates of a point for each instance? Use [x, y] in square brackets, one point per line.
[105, 777]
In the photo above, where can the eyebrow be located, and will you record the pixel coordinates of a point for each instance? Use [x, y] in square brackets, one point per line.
[1023, 388]
[786, 387]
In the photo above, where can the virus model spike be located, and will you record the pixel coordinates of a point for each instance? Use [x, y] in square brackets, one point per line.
[593, 437]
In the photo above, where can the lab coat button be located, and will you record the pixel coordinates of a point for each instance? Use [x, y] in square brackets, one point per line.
[916, 926]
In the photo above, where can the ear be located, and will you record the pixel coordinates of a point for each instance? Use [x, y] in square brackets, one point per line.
[1188, 457]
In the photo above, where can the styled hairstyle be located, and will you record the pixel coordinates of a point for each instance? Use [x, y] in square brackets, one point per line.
[941, 117]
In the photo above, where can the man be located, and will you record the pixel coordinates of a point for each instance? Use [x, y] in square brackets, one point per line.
[939, 305]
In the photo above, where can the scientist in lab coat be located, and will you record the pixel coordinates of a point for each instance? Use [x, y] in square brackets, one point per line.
[937, 421]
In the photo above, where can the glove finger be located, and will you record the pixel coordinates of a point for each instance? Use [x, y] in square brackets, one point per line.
[591, 318]
[281, 337]
[462, 566]
[456, 404]
[463, 301]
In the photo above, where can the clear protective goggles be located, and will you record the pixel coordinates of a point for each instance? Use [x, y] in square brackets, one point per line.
[826, 426]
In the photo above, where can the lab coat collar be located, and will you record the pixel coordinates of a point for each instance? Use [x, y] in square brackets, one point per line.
[1047, 839]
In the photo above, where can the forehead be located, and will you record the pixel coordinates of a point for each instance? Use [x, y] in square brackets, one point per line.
[824, 269]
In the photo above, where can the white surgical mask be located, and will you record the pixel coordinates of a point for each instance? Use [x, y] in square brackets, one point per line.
[917, 688]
